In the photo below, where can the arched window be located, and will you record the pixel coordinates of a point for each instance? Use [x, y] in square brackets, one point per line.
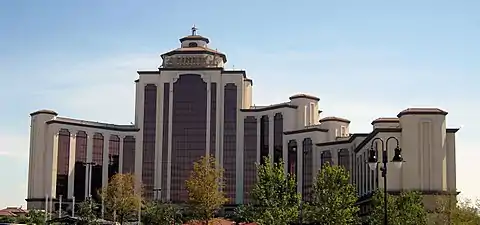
[344, 159]
[292, 157]
[326, 157]
[193, 44]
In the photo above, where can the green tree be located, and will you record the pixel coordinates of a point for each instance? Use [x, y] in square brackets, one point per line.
[333, 198]
[453, 212]
[406, 208]
[121, 199]
[205, 188]
[22, 220]
[36, 217]
[160, 213]
[7, 219]
[275, 197]
[86, 212]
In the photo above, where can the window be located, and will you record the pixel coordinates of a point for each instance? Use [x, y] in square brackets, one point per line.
[193, 44]
[343, 131]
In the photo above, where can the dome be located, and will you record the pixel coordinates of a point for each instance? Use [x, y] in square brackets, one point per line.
[193, 53]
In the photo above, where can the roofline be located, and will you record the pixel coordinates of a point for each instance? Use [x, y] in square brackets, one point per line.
[113, 126]
[356, 135]
[272, 107]
[307, 130]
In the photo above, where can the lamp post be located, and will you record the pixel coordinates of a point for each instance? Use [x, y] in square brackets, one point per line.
[373, 163]
[88, 167]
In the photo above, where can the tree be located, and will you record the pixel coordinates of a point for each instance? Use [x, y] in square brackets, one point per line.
[86, 212]
[453, 212]
[205, 188]
[333, 198]
[407, 208]
[160, 213]
[275, 197]
[36, 217]
[121, 198]
[7, 219]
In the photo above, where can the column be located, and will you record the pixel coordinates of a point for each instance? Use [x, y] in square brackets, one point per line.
[120, 151]
[106, 158]
[89, 160]
[299, 165]
[54, 159]
[285, 153]
[271, 122]
[170, 126]
[157, 181]
[334, 153]
[71, 164]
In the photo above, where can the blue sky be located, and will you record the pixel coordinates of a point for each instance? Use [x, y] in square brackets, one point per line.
[364, 59]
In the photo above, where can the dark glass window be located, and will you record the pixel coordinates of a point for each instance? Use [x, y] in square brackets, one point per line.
[277, 137]
[189, 120]
[326, 157]
[63, 162]
[113, 156]
[307, 174]
[230, 139]
[128, 155]
[97, 159]
[80, 169]
[149, 132]
[344, 158]
[292, 157]
[249, 156]
[192, 44]
[264, 140]
[166, 108]
[213, 118]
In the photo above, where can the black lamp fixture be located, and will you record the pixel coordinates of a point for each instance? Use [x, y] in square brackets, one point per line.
[373, 162]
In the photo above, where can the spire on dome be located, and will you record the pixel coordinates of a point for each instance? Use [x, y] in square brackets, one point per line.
[194, 30]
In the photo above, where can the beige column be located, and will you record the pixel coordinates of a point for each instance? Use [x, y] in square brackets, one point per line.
[285, 154]
[106, 158]
[299, 165]
[271, 121]
[157, 183]
[54, 159]
[71, 164]
[169, 161]
[120, 151]
[334, 153]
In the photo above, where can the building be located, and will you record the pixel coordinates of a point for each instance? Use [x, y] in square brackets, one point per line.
[192, 106]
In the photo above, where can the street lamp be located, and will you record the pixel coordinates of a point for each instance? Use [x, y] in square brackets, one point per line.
[397, 160]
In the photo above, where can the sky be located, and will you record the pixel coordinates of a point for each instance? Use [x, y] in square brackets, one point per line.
[363, 59]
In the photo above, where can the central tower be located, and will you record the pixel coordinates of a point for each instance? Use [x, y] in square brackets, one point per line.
[187, 109]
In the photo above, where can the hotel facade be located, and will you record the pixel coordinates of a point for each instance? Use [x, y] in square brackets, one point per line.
[192, 106]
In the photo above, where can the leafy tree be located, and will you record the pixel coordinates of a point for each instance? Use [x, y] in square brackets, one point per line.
[275, 197]
[160, 213]
[7, 219]
[120, 197]
[86, 212]
[36, 217]
[453, 212]
[205, 188]
[333, 198]
[407, 208]
[22, 220]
